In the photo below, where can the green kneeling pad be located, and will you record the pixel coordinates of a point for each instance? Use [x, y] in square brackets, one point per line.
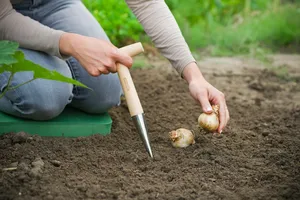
[71, 123]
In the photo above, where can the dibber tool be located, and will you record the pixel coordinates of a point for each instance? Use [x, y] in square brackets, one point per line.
[132, 99]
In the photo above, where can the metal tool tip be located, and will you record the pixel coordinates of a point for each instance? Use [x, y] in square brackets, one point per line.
[150, 153]
[142, 130]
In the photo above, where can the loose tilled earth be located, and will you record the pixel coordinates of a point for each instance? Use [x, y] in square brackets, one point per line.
[257, 157]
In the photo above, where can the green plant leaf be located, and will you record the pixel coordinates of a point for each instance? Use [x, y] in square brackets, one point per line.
[7, 50]
[5, 68]
[39, 72]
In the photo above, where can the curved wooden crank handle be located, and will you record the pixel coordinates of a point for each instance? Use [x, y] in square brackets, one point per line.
[132, 99]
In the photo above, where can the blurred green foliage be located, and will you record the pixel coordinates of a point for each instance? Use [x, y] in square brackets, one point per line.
[222, 26]
[221, 11]
[254, 34]
[230, 27]
[116, 19]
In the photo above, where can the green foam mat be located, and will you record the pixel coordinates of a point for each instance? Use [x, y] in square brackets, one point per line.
[71, 123]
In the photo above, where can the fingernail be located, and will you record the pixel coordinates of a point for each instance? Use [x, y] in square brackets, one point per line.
[208, 109]
[221, 131]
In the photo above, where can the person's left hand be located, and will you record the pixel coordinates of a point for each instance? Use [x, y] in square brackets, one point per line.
[207, 95]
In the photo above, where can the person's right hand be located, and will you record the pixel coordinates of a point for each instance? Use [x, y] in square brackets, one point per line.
[205, 94]
[95, 55]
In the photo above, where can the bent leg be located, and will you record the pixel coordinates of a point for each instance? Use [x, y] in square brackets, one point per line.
[40, 99]
[72, 16]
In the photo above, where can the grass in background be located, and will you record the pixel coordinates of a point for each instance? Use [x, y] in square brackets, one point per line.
[256, 34]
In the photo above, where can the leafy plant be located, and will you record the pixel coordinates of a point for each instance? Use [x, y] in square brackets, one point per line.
[7, 50]
[13, 61]
[117, 20]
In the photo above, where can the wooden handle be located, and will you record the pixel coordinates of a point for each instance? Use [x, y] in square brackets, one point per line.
[133, 49]
[132, 99]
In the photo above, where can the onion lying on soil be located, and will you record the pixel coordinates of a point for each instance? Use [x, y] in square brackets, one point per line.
[182, 137]
[210, 122]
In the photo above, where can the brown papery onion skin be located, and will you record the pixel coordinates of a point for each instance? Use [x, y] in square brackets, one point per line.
[210, 122]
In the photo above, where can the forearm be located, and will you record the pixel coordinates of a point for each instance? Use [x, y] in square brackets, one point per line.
[27, 32]
[163, 30]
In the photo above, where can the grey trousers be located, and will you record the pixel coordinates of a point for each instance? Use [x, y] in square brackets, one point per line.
[44, 99]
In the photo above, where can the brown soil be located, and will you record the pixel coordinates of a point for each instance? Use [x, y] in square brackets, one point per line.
[256, 158]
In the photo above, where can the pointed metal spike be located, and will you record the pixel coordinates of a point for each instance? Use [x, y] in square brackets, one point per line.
[140, 125]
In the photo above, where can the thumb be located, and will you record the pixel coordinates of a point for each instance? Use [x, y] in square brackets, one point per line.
[203, 99]
[122, 58]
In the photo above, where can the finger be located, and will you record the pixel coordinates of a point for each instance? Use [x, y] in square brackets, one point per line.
[103, 70]
[122, 58]
[111, 66]
[93, 71]
[222, 114]
[203, 99]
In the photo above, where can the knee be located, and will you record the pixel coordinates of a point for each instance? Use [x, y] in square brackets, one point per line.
[101, 100]
[104, 106]
[50, 106]
[44, 103]
[105, 103]
[39, 99]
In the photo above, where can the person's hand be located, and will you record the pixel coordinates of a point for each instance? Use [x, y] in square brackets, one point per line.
[206, 94]
[95, 55]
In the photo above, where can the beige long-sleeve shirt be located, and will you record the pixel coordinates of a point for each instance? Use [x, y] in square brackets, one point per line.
[154, 15]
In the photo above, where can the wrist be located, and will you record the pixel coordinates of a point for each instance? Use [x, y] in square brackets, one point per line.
[192, 73]
[66, 44]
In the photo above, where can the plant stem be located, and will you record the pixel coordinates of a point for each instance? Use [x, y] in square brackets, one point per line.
[17, 86]
[7, 87]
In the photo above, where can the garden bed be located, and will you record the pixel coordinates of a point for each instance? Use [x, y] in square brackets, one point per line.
[257, 157]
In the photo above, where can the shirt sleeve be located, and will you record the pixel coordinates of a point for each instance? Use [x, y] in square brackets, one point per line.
[161, 26]
[27, 32]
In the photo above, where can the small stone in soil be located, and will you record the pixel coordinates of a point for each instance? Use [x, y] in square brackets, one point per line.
[35, 172]
[82, 187]
[56, 163]
[38, 163]
[20, 137]
[37, 167]
[265, 133]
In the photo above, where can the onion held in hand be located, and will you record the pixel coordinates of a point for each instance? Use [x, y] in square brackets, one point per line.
[210, 122]
[182, 137]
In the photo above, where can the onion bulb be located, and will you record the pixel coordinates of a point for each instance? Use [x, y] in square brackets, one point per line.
[182, 137]
[210, 122]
